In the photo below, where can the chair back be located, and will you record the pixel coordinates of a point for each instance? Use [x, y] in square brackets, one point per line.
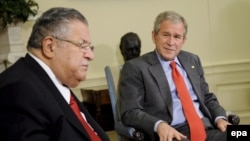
[112, 76]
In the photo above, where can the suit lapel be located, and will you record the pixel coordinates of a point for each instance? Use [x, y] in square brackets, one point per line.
[190, 67]
[69, 114]
[160, 78]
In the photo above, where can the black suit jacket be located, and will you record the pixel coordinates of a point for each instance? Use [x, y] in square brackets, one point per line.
[32, 108]
[146, 97]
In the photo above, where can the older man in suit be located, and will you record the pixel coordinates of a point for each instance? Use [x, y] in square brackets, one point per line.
[150, 100]
[36, 103]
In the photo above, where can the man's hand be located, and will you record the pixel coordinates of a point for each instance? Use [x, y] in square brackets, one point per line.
[168, 133]
[222, 124]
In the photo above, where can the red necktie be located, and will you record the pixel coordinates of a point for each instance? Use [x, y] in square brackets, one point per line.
[196, 126]
[93, 136]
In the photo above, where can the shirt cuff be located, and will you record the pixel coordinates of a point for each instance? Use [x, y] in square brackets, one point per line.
[156, 125]
[219, 117]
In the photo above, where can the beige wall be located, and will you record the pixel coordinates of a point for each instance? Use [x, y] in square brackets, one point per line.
[218, 32]
[110, 19]
[230, 30]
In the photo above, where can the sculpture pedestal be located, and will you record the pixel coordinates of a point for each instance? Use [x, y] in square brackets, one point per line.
[11, 44]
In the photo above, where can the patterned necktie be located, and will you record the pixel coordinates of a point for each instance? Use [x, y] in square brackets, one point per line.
[196, 126]
[93, 136]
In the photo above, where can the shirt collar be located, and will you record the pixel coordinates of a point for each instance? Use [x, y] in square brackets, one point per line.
[166, 62]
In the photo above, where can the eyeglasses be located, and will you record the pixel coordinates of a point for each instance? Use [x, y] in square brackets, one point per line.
[82, 45]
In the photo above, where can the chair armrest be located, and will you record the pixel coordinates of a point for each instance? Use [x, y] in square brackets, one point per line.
[129, 132]
[233, 119]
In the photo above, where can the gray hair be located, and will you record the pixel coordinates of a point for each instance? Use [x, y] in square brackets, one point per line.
[54, 22]
[170, 16]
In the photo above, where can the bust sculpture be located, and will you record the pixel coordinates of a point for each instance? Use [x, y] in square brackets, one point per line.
[130, 46]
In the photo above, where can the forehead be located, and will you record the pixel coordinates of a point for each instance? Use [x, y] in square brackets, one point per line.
[172, 27]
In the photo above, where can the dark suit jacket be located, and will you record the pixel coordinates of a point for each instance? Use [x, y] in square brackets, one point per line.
[145, 93]
[32, 108]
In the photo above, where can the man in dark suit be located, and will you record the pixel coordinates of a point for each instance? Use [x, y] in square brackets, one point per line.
[149, 99]
[35, 91]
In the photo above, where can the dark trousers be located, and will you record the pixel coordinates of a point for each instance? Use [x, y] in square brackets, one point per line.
[213, 134]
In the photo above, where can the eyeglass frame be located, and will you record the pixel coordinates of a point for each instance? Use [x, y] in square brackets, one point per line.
[80, 44]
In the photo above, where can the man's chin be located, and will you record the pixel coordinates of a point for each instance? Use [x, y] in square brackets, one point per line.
[82, 78]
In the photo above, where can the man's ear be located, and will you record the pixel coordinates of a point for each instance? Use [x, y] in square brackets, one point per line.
[184, 40]
[153, 36]
[48, 47]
